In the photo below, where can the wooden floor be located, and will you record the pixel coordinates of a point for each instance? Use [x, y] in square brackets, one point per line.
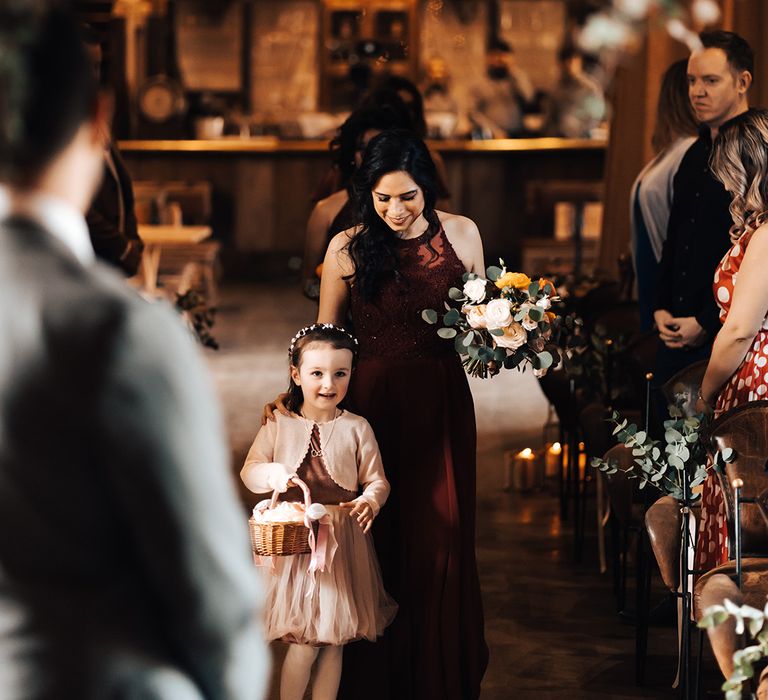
[551, 624]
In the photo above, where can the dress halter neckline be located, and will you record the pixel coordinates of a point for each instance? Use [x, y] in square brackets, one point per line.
[420, 238]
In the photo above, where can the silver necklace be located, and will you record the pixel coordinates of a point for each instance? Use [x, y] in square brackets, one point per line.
[309, 426]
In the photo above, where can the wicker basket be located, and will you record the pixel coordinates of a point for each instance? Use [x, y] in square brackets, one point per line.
[281, 539]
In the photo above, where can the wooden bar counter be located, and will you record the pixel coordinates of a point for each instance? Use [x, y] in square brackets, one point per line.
[262, 186]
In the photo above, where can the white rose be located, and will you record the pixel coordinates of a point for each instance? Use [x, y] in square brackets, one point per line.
[514, 337]
[475, 289]
[498, 313]
[475, 316]
[544, 303]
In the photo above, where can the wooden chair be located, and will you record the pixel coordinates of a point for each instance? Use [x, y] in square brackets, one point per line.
[683, 388]
[744, 578]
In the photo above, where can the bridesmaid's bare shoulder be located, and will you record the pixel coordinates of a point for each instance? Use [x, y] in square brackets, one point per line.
[339, 248]
[459, 227]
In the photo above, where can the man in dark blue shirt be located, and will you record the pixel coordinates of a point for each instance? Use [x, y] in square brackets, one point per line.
[719, 76]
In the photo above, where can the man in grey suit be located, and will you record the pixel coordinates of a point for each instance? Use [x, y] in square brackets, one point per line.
[124, 562]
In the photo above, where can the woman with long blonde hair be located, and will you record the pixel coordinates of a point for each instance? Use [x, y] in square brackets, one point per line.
[738, 367]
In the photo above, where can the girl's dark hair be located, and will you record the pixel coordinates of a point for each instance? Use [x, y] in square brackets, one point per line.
[348, 140]
[674, 114]
[47, 87]
[372, 249]
[336, 337]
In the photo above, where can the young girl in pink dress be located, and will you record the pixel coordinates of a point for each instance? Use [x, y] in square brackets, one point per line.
[738, 367]
[334, 452]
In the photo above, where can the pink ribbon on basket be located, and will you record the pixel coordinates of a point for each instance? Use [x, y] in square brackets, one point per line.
[323, 547]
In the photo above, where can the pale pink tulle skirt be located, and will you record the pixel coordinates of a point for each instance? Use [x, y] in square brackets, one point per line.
[348, 602]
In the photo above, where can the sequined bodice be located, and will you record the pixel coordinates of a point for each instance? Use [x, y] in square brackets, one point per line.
[391, 325]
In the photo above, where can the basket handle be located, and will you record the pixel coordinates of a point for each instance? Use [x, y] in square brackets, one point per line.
[300, 484]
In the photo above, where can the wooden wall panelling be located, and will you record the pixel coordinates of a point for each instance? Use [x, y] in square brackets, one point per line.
[750, 20]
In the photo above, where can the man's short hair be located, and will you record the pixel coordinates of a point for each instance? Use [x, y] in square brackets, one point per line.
[737, 50]
[47, 87]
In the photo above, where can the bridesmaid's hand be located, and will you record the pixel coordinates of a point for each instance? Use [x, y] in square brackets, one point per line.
[277, 405]
[361, 509]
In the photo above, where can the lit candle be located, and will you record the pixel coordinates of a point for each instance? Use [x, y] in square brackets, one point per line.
[582, 461]
[552, 459]
[524, 470]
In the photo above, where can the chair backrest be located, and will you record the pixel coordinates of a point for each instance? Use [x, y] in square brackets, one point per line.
[663, 521]
[744, 429]
[684, 387]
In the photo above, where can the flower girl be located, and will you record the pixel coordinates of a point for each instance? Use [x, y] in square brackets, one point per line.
[334, 452]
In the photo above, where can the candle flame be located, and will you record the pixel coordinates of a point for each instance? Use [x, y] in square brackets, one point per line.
[556, 448]
[527, 453]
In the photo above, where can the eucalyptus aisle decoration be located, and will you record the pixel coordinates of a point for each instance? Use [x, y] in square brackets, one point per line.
[503, 320]
[662, 466]
[200, 317]
[744, 660]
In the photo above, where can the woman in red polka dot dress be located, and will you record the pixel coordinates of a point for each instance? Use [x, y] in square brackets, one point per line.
[738, 368]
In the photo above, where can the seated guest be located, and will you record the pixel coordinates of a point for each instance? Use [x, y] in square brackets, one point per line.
[124, 563]
[499, 98]
[736, 372]
[111, 218]
[651, 196]
[577, 104]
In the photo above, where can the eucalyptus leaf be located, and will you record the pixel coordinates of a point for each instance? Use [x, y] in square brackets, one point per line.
[447, 333]
[459, 346]
[533, 289]
[451, 317]
[493, 273]
[485, 353]
[470, 337]
[543, 360]
[672, 435]
[456, 294]
[498, 332]
[676, 462]
[429, 315]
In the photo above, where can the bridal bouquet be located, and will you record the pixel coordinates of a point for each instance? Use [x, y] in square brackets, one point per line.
[501, 321]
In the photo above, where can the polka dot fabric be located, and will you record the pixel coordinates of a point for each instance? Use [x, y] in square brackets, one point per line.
[748, 383]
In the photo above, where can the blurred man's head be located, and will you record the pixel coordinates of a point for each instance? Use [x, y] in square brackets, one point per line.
[50, 109]
[571, 61]
[719, 77]
[499, 59]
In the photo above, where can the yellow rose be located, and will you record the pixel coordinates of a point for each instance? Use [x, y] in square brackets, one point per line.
[518, 280]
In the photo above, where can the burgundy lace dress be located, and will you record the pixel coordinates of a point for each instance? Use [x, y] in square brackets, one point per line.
[410, 385]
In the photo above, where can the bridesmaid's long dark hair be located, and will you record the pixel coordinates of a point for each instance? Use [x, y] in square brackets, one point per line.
[372, 249]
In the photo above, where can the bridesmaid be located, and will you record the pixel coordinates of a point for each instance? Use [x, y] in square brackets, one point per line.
[411, 387]
[738, 367]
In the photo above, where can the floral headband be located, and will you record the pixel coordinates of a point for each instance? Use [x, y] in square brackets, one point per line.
[319, 327]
